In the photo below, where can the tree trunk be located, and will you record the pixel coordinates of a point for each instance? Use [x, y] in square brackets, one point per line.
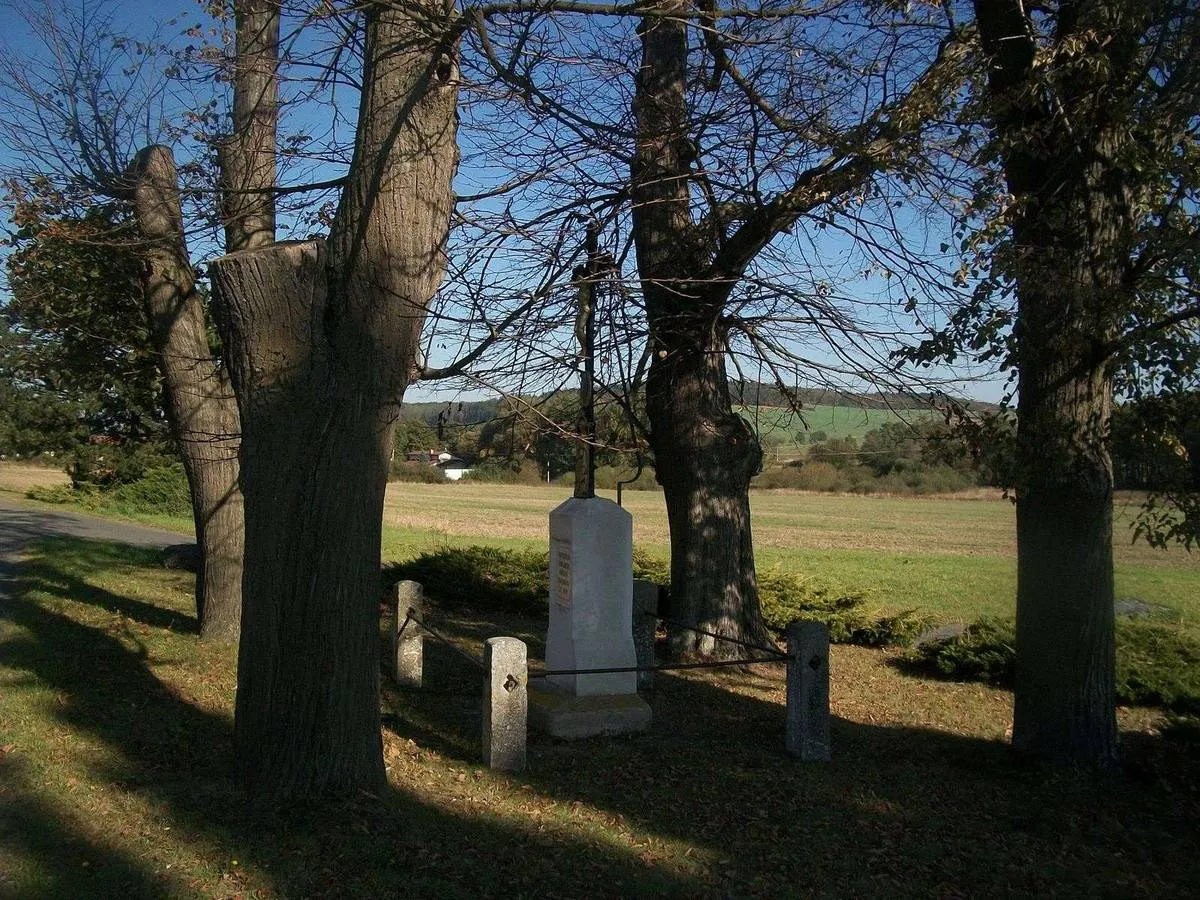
[314, 454]
[1073, 232]
[322, 343]
[705, 454]
[1064, 698]
[247, 159]
[1064, 693]
[200, 402]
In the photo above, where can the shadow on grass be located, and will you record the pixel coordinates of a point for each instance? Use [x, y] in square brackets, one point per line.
[900, 811]
[79, 554]
[177, 757]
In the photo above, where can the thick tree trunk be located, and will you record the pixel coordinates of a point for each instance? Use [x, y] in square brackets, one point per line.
[314, 453]
[705, 454]
[1064, 699]
[1072, 236]
[200, 402]
[322, 342]
[1069, 279]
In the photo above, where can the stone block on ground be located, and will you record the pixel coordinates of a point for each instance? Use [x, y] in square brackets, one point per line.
[808, 691]
[568, 717]
[185, 557]
[406, 656]
[505, 703]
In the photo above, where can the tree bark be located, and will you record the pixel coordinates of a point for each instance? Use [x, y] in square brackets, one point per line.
[322, 341]
[1063, 149]
[199, 401]
[705, 454]
[247, 159]
[705, 457]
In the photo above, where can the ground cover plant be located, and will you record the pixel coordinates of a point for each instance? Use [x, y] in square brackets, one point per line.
[510, 580]
[1156, 664]
[114, 778]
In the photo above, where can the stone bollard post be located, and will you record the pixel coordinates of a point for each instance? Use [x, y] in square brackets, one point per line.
[645, 600]
[808, 691]
[407, 654]
[505, 703]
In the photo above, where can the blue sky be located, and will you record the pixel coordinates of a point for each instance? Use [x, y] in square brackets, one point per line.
[138, 18]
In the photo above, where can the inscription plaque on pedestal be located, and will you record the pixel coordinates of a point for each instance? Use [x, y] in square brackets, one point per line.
[560, 573]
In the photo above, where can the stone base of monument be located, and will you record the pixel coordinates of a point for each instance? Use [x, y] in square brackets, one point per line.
[569, 717]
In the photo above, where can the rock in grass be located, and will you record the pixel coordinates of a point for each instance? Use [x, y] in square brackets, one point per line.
[185, 557]
[939, 633]
[1133, 608]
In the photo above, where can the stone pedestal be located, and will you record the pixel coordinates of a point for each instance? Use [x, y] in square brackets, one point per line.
[591, 597]
[505, 703]
[591, 613]
[407, 651]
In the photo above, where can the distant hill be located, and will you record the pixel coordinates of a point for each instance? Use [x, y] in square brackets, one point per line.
[835, 412]
[753, 393]
[464, 412]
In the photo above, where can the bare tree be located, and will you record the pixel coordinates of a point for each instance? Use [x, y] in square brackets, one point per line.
[712, 142]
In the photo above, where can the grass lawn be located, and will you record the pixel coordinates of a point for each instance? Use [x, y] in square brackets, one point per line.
[954, 557]
[778, 426]
[115, 734]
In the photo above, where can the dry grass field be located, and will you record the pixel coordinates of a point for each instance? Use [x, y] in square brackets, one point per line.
[18, 477]
[980, 523]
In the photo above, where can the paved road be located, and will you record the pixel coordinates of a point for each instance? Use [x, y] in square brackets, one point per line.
[21, 525]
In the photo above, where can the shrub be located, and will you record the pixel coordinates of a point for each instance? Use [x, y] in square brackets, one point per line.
[518, 581]
[1156, 664]
[985, 651]
[847, 613]
[608, 476]
[499, 471]
[840, 452]
[809, 476]
[920, 479]
[512, 580]
[651, 568]
[820, 476]
[57, 493]
[421, 473]
[108, 465]
[162, 490]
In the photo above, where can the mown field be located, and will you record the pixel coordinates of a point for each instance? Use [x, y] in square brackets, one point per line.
[116, 779]
[779, 427]
[954, 557]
